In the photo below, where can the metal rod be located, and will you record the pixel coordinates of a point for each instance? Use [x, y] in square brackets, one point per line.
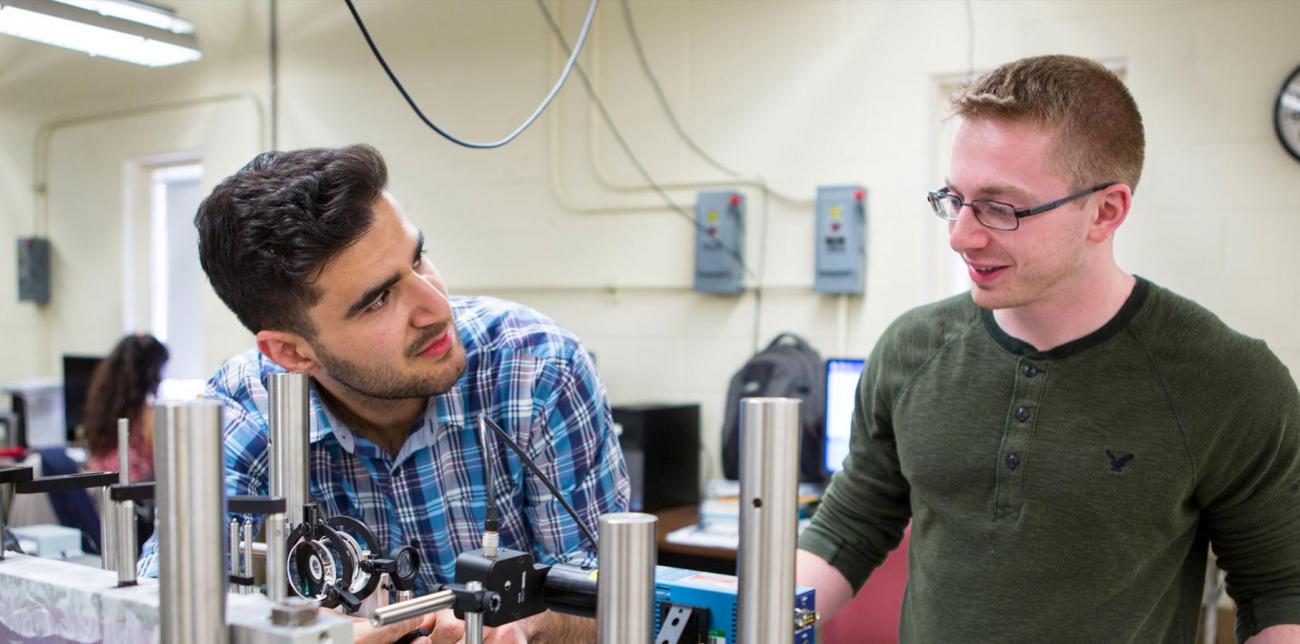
[4, 516]
[233, 536]
[383, 595]
[123, 451]
[126, 554]
[393, 613]
[111, 535]
[288, 438]
[191, 511]
[769, 482]
[277, 559]
[474, 619]
[625, 590]
[108, 535]
[247, 570]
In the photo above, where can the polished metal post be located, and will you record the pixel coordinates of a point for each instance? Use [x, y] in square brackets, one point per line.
[126, 555]
[247, 570]
[769, 484]
[111, 536]
[108, 535]
[625, 590]
[277, 559]
[123, 451]
[123, 512]
[393, 613]
[289, 426]
[474, 618]
[233, 548]
[191, 522]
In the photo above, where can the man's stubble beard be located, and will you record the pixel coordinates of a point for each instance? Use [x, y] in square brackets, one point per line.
[383, 383]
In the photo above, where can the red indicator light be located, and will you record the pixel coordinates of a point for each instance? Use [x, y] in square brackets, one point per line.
[859, 194]
[735, 200]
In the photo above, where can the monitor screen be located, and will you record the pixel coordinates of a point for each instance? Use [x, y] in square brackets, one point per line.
[842, 376]
[77, 371]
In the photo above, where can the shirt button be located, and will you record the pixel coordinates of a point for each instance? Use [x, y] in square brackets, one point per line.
[1013, 461]
[1022, 414]
[1031, 371]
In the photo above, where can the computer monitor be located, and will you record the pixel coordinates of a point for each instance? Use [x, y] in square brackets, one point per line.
[77, 371]
[842, 375]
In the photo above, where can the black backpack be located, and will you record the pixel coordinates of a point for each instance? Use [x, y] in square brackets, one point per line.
[789, 367]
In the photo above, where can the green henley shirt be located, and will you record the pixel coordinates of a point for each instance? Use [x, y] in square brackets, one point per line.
[1070, 494]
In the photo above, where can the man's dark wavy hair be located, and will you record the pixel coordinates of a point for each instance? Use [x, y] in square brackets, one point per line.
[267, 231]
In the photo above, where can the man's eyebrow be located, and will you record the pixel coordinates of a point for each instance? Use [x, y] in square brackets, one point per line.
[371, 293]
[369, 296]
[993, 191]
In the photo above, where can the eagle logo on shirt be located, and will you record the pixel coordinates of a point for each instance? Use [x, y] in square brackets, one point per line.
[1117, 463]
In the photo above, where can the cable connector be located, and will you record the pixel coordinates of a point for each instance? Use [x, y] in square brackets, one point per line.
[491, 540]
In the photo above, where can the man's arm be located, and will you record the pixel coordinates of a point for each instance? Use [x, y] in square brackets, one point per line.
[866, 507]
[554, 627]
[1250, 489]
[1280, 634]
[833, 590]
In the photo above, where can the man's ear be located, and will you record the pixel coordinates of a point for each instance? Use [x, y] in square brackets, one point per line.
[1112, 210]
[289, 350]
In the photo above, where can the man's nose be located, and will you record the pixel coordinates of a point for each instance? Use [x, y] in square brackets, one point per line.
[431, 306]
[966, 233]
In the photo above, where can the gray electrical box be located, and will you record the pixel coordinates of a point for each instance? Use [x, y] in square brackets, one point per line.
[720, 242]
[840, 240]
[34, 270]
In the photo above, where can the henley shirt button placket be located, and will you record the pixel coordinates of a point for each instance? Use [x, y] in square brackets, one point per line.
[1022, 414]
[1013, 461]
[1031, 371]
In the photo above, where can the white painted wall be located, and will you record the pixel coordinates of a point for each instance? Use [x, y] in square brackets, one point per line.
[800, 93]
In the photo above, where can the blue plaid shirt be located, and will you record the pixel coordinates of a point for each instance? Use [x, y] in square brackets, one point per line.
[526, 373]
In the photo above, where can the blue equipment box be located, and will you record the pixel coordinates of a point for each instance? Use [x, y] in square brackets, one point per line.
[717, 593]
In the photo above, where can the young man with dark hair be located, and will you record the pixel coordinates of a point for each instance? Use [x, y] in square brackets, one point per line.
[320, 263]
[1068, 439]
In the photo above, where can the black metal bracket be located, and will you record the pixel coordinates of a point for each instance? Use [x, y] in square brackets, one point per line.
[142, 491]
[66, 482]
[251, 504]
[683, 625]
[15, 474]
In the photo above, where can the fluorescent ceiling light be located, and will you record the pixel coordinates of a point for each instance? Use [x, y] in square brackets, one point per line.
[131, 31]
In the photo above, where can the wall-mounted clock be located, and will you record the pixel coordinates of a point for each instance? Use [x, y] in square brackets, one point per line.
[1286, 114]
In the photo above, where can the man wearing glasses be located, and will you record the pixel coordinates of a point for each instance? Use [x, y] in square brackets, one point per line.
[1068, 439]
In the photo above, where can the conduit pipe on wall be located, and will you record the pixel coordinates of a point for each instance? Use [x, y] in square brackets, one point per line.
[40, 147]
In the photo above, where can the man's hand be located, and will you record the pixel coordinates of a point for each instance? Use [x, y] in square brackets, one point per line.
[442, 626]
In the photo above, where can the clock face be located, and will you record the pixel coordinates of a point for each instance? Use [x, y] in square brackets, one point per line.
[1286, 115]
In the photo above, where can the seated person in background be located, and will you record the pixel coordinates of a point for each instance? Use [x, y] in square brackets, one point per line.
[122, 386]
[321, 264]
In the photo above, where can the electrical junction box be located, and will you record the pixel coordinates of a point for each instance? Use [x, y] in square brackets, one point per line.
[34, 270]
[710, 599]
[720, 242]
[840, 239]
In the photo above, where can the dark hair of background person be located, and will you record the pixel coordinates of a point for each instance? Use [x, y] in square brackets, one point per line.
[120, 386]
[267, 231]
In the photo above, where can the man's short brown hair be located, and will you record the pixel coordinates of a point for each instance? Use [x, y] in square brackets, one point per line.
[1098, 128]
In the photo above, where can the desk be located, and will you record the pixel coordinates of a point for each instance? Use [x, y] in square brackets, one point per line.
[678, 555]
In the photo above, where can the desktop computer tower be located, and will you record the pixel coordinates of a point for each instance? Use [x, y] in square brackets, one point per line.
[661, 444]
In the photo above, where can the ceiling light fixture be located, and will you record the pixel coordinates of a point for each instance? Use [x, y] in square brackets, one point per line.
[127, 30]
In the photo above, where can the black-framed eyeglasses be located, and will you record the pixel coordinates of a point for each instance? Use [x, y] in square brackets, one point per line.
[997, 215]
